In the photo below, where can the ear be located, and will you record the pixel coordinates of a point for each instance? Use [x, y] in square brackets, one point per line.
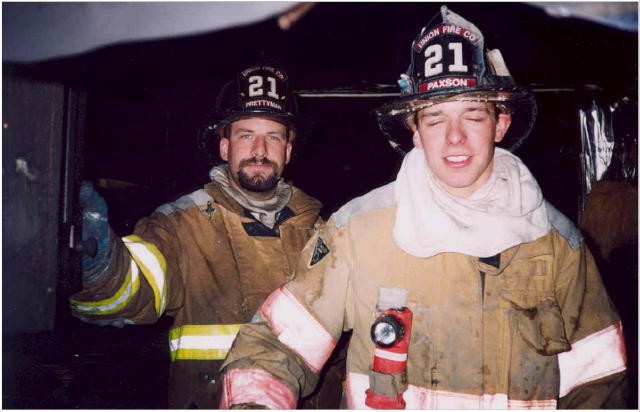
[416, 139]
[288, 153]
[224, 149]
[502, 125]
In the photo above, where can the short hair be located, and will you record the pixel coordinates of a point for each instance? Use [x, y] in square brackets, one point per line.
[224, 131]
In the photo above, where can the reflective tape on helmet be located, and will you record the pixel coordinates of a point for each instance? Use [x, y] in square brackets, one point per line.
[421, 398]
[115, 303]
[596, 356]
[202, 342]
[255, 386]
[153, 267]
[297, 328]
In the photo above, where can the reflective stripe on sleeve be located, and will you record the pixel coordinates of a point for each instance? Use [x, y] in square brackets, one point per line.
[591, 358]
[297, 328]
[115, 303]
[202, 342]
[421, 398]
[153, 267]
[244, 386]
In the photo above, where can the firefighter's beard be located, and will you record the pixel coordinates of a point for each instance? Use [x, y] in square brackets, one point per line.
[258, 183]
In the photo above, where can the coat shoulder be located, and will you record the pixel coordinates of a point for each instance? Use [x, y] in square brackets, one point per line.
[565, 227]
[379, 198]
[199, 198]
[301, 202]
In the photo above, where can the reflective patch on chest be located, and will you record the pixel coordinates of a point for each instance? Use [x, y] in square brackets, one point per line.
[208, 210]
[320, 250]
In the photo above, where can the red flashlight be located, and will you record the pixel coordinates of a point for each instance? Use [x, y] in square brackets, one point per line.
[388, 380]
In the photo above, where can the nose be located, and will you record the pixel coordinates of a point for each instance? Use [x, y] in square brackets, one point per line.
[259, 148]
[455, 133]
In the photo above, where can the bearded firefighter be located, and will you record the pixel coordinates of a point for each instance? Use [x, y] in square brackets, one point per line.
[211, 257]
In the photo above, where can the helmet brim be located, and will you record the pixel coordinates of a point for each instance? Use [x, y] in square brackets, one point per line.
[394, 118]
[299, 123]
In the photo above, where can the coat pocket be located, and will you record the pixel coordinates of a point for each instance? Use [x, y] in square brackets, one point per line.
[539, 322]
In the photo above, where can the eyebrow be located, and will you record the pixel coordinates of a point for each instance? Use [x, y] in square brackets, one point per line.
[478, 109]
[243, 130]
[251, 131]
[246, 129]
[465, 110]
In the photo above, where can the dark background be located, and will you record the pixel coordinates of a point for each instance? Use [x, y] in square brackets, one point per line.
[146, 101]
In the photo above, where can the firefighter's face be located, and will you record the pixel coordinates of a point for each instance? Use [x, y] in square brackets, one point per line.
[256, 149]
[458, 140]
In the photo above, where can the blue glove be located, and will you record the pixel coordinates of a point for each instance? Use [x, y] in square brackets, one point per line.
[95, 225]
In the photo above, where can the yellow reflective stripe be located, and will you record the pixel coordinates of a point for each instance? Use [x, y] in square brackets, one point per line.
[199, 354]
[153, 266]
[203, 342]
[115, 303]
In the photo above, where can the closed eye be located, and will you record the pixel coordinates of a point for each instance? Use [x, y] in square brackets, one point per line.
[432, 119]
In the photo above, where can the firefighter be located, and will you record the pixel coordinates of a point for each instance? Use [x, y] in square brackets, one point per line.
[462, 286]
[210, 258]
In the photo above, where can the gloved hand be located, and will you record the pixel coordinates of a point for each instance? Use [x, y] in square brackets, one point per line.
[95, 225]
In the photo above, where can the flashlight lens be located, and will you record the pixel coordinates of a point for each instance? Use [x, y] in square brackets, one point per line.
[386, 331]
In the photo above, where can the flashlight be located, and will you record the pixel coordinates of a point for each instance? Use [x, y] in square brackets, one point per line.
[390, 334]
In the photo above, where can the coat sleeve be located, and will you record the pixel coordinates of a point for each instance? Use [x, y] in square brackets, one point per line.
[593, 371]
[277, 358]
[140, 279]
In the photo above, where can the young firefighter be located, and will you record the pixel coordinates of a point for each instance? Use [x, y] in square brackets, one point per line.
[210, 258]
[463, 287]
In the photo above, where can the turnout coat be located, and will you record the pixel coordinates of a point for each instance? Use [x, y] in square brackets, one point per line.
[531, 327]
[205, 261]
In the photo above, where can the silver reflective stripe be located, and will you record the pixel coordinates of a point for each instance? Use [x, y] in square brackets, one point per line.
[197, 198]
[418, 398]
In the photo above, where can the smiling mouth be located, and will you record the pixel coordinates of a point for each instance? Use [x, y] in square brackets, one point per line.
[457, 159]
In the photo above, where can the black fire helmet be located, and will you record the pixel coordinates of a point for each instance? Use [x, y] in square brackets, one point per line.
[449, 62]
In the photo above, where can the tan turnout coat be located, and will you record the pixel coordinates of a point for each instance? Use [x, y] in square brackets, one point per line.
[530, 328]
[208, 263]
